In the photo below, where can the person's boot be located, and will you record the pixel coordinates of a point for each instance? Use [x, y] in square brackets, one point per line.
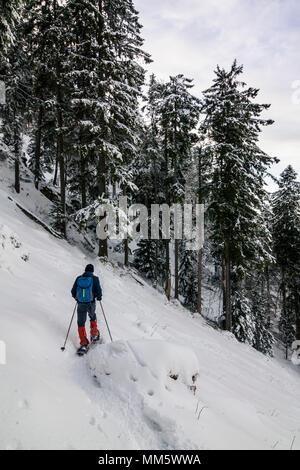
[82, 336]
[84, 342]
[95, 334]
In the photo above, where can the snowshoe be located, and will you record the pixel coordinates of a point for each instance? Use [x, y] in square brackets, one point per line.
[95, 339]
[83, 349]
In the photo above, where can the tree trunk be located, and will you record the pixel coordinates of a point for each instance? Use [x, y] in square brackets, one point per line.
[297, 310]
[200, 252]
[224, 289]
[176, 267]
[61, 163]
[56, 170]
[101, 170]
[60, 139]
[199, 293]
[168, 273]
[62, 177]
[17, 159]
[155, 263]
[283, 286]
[156, 202]
[126, 252]
[57, 151]
[167, 242]
[269, 300]
[126, 247]
[82, 181]
[101, 193]
[37, 151]
[228, 290]
[17, 173]
[102, 252]
[298, 327]
[60, 155]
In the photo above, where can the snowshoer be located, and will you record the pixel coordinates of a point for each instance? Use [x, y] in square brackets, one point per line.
[86, 290]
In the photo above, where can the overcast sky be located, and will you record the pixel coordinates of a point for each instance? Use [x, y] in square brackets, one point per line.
[193, 36]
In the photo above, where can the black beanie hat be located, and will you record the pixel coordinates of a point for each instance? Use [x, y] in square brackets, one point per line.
[89, 268]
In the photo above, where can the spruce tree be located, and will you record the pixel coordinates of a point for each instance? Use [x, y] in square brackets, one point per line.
[107, 76]
[148, 257]
[40, 30]
[203, 168]
[286, 237]
[287, 325]
[232, 126]
[46, 33]
[261, 312]
[188, 277]
[178, 117]
[192, 265]
[86, 108]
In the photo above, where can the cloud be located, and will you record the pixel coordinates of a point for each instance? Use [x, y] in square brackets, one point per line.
[193, 36]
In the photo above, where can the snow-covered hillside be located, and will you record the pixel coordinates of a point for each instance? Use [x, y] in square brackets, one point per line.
[134, 393]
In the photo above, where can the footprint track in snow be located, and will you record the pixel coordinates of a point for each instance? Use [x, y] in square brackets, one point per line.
[23, 404]
[133, 378]
[92, 421]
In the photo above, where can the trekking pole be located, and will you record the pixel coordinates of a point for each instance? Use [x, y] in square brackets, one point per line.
[64, 346]
[106, 322]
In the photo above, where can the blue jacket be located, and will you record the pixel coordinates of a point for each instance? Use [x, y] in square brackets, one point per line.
[97, 291]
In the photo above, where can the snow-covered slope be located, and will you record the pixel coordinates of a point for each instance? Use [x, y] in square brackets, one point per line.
[121, 395]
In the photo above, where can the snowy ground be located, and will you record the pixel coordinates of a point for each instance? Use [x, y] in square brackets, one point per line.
[121, 395]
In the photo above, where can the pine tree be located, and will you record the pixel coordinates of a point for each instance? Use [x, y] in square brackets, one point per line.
[40, 30]
[188, 277]
[286, 325]
[286, 236]
[232, 126]
[44, 26]
[244, 326]
[192, 263]
[86, 108]
[148, 257]
[204, 170]
[178, 117]
[257, 290]
[107, 79]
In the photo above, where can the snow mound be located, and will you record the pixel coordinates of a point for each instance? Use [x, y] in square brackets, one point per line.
[151, 380]
[147, 359]
[10, 248]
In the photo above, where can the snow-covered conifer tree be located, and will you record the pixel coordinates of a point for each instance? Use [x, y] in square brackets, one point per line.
[286, 245]
[106, 75]
[178, 117]
[148, 257]
[232, 126]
